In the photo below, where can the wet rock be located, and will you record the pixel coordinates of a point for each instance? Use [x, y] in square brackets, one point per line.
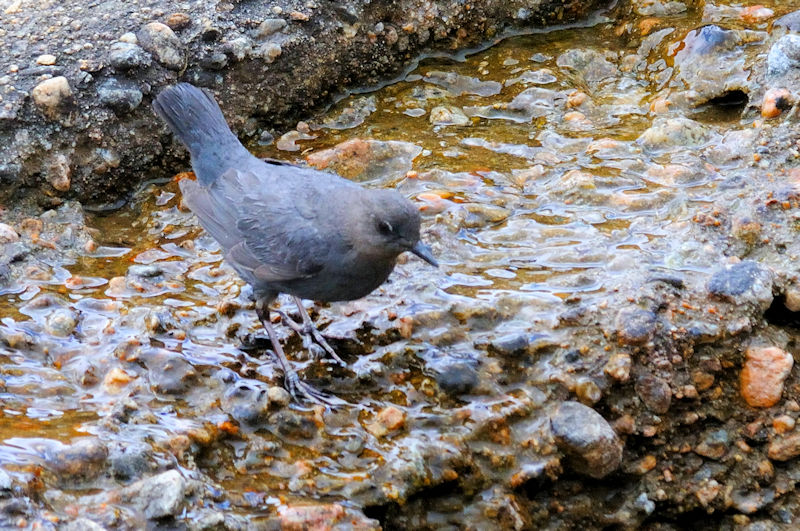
[145, 271]
[247, 401]
[531, 103]
[82, 524]
[323, 516]
[618, 367]
[387, 420]
[636, 326]
[587, 439]
[270, 26]
[658, 8]
[714, 444]
[711, 64]
[448, 116]
[124, 56]
[590, 65]
[654, 392]
[80, 461]
[131, 460]
[457, 378]
[54, 98]
[5, 480]
[785, 447]
[61, 322]
[59, 172]
[789, 22]
[169, 373]
[742, 281]
[8, 234]
[669, 133]
[278, 396]
[293, 425]
[517, 344]
[178, 21]
[776, 100]
[784, 56]
[792, 298]
[765, 370]
[163, 44]
[750, 502]
[118, 97]
[459, 85]
[158, 496]
[366, 159]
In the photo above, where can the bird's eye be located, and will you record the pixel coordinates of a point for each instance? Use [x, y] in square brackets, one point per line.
[385, 228]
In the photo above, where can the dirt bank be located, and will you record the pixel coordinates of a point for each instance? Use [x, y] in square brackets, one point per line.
[76, 81]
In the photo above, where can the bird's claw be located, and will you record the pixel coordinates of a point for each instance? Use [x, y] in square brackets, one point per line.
[322, 342]
[301, 390]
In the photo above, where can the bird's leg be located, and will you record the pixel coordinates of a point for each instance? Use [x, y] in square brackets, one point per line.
[294, 384]
[309, 328]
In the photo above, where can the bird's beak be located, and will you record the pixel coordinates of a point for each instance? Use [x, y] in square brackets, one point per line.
[424, 252]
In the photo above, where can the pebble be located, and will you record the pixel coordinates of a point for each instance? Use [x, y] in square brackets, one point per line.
[178, 21]
[279, 396]
[448, 116]
[776, 100]
[714, 444]
[636, 326]
[115, 379]
[158, 496]
[590, 65]
[746, 277]
[784, 448]
[129, 37]
[163, 44]
[764, 372]
[246, 401]
[46, 59]
[618, 367]
[589, 442]
[270, 26]
[789, 22]
[53, 96]
[387, 420]
[457, 378]
[783, 424]
[666, 133]
[130, 460]
[61, 322]
[784, 55]
[169, 373]
[792, 298]
[654, 392]
[120, 98]
[126, 56]
[83, 459]
[8, 234]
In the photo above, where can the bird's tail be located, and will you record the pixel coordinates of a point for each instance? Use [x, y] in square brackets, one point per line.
[195, 118]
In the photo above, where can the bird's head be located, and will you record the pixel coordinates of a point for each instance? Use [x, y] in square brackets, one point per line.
[392, 224]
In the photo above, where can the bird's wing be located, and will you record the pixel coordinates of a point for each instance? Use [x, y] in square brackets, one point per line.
[280, 236]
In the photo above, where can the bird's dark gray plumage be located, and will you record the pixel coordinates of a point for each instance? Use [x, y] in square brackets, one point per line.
[285, 228]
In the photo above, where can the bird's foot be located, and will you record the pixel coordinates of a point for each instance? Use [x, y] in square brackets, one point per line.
[320, 340]
[313, 340]
[301, 390]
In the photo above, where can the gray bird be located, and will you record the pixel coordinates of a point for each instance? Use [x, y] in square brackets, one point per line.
[285, 228]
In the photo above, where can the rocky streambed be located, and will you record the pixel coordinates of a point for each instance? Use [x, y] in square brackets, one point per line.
[609, 342]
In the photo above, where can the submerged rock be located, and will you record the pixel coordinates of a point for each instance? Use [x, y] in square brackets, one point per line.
[743, 281]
